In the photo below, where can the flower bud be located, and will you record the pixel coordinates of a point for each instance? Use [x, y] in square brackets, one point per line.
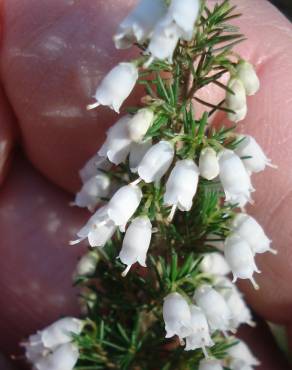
[181, 185]
[139, 24]
[239, 310]
[87, 264]
[215, 264]
[177, 316]
[156, 162]
[200, 337]
[92, 167]
[136, 243]
[237, 100]
[93, 189]
[139, 124]
[99, 229]
[184, 14]
[116, 86]
[240, 258]
[208, 364]
[240, 351]
[124, 204]
[60, 332]
[208, 164]
[248, 147]
[214, 307]
[252, 232]
[118, 143]
[247, 74]
[64, 357]
[163, 42]
[234, 178]
[238, 115]
[138, 150]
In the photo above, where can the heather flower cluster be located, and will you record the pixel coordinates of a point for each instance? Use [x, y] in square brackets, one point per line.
[147, 180]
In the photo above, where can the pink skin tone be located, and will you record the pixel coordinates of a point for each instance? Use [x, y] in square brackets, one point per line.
[53, 55]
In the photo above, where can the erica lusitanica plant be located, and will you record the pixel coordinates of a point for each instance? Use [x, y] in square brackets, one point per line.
[167, 191]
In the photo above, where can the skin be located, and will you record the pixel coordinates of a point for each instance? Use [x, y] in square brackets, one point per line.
[53, 56]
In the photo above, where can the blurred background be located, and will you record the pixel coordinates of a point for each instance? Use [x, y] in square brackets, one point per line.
[285, 6]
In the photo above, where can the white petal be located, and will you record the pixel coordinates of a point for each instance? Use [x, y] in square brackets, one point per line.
[247, 74]
[242, 352]
[215, 264]
[237, 100]
[63, 358]
[209, 364]
[209, 164]
[139, 124]
[92, 166]
[138, 150]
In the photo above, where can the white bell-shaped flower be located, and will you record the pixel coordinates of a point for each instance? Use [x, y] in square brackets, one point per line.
[184, 14]
[156, 162]
[86, 266]
[237, 100]
[214, 306]
[209, 164]
[116, 86]
[92, 167]
[60, 332]
[247, 74]
[124, 204]
[99, 229]
[177, 316]
[92, 191]
[139, 124]
[239, 310]
[181, 185]
[163, 42]
[252, 232]
[64, 357]
[118, 143]
[34, 348]
[138, 150]
[136, 243]
[209, 364]
[240, 351]
[234, 178]
[215, 264]
[139, 24]
[200, 337]
[240, 258]
[257, 160]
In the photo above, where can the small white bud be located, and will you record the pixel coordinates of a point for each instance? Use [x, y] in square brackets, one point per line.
[209, 164]
[237, 100]
[139, 24]
[239, 310]
[124, 204]
[60, 332]
[247, 74]
[92, 167]
[240, 258]
[200, 337]
[99, 229]
[156, 162]
[248, 147]
[177, 316]
[184, 14]
[116, 86]
[215, 264]
[138, 150]
[209, 364]
[118, 143]
[234, 178]
[139, 124]
[64, 357]
[163, 42]
[87, 264]
[136, 243]
[181, 185]
[252, 232]
[240, 351]
[214, 307]
[92, 190]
